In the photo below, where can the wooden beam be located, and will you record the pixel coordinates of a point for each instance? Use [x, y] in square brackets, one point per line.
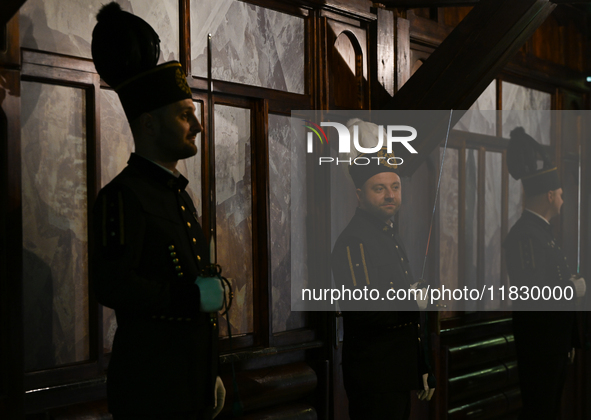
[402, 51]
[411, 4]
[466, 62]
[8, 8]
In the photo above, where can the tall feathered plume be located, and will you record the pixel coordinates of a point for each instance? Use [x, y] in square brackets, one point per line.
[523, 153]
[123, 45]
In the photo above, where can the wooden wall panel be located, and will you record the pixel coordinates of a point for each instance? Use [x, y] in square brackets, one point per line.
[11, 327]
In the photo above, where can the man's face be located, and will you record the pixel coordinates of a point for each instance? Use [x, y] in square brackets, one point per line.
[555, 198]
[178, 128]
[381, 195]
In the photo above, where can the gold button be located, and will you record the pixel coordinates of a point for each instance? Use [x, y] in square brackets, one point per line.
[419, 339]
[179, 190]
[401, 259]
[173, 254]
[175, 261]
[171, 248]
[194, 241]
[178, 268]
[396, 246]
[198, 258]
[188, 224]
[406, 272]
[180, 274]
[183, 208]
[215, 325]
[391, 283]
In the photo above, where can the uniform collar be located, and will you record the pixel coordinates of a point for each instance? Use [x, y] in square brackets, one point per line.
[537, 214]
[379, 224]
[157, 173]
[537, 219]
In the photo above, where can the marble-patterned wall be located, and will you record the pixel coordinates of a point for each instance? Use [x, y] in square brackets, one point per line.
[515, 207]
[116, 140]
[250, 44]
[471, 227]
[54, 210]
[191, 169]
[281, 161]
[481, 118]
[65, 26]
[528, 108]
[299, 214]
[234, 211]
[448, 224]
[492, 224]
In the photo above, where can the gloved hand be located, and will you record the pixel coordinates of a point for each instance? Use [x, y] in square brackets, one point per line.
[426, 393]
[212, 294]
[571, 356]
[579, 285]
[219, 397]
[422, 298]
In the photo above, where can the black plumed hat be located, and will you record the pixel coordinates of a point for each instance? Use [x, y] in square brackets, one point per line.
[523, 154]
[125, 51]
[366, 165]
[123, 45]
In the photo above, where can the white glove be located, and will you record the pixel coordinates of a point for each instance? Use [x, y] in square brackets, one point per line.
[219, 397]
[426, 393]
[571, 356]
[421, 296]
[579, 285]
[212, 294]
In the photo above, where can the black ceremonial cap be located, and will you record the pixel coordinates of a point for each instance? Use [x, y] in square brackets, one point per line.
[125, 51]
[367, 165]
[523, 154]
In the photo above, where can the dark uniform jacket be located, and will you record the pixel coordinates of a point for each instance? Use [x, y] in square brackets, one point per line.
[535, 259]
[380, 346]
[149, 248]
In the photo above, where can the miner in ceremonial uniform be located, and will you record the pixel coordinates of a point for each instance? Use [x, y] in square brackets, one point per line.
[149, 249]
[545, 336]
[383, 358]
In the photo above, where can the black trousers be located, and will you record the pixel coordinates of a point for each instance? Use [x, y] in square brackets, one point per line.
[541, 379]
[380, 406]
